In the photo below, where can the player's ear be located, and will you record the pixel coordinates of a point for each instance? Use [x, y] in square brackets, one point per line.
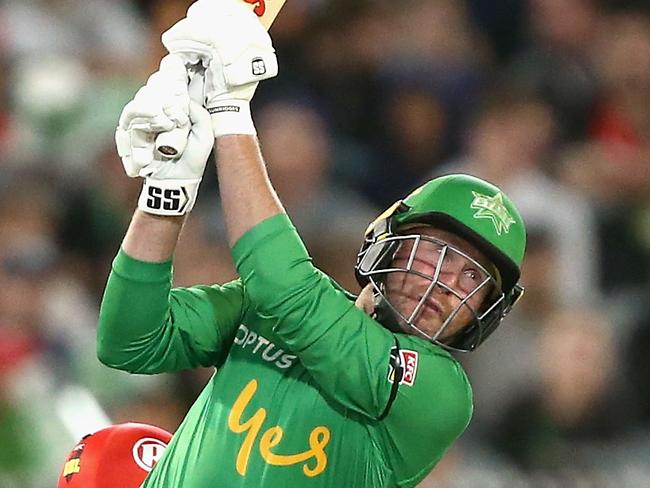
[365, 301]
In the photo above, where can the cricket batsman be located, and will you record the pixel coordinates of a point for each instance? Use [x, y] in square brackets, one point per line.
[310, 389]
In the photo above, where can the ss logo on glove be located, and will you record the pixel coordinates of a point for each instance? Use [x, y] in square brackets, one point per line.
[169, 199]
[259, 68]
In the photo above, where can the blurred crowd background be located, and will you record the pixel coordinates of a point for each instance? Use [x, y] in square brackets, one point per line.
[549, 99]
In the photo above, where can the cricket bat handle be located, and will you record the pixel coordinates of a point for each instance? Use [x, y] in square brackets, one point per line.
[173, 142]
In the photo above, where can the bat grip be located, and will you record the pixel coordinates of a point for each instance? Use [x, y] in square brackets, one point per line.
[172, 143]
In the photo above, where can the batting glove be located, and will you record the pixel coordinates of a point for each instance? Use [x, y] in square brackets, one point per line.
[171, 183]
[227, 38]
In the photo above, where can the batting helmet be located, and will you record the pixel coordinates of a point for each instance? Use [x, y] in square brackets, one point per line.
[471, 208]
[121, 455]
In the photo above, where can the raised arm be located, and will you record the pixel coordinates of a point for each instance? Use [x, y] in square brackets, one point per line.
[152, 238]
[248, 197]
[313, 316]
[144, 326]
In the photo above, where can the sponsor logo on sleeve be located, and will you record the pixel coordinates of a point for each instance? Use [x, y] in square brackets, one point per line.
[409, 362]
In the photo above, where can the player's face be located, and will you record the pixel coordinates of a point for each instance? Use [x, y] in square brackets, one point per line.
[459, 277]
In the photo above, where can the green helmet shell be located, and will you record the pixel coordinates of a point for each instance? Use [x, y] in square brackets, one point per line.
[473, 208]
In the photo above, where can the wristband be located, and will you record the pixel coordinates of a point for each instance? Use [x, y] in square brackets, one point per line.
[232, 117]
[168, 197]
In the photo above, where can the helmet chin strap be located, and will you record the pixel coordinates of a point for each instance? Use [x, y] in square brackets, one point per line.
[385, 315]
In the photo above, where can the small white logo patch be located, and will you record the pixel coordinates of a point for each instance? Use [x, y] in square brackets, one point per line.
[147, 451]
[259, 67]
[492, 208]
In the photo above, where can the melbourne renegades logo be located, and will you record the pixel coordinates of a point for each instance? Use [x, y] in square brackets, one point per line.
[73, 465]
[409, 362]
[147, 451]
[260, 6]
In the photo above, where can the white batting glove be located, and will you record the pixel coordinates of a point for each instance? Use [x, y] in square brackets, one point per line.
[161, 105]
[229, 40]
[171, 184]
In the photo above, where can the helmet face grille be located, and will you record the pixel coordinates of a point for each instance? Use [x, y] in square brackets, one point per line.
[392, 260]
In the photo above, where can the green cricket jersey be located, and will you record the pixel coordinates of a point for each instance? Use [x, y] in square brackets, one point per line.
[303, 379]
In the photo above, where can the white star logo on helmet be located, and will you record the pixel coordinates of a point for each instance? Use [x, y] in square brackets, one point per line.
[492, 208]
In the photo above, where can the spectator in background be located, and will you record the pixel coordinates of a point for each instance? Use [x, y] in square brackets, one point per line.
[16, 463]
[612, 167]
[106, 32]
[510, 142]
[581, 402]
[30, 358]
[400, 79]
[6, 123]
[637, 365]
[431, 72]
[508, 366]
[434, 43]
[100, 205]
[67, 82]
[558, 63]
[415, 135]
[622, 119]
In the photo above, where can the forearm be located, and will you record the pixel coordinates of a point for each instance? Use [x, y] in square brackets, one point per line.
[136, 299]
[152, 238]
[247, 195]
[134, 310]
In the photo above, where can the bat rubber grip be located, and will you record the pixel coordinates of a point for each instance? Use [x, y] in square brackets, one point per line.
[172, 143]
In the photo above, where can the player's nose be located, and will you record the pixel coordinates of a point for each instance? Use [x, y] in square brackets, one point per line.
[449, 276]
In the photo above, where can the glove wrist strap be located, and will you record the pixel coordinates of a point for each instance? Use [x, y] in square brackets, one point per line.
[168, 197]
[231, 117]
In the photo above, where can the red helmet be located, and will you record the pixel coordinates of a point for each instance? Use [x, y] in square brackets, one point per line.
[121, 455]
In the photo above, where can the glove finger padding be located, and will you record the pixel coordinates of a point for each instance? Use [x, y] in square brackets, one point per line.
[171, 186]
[199, 145]
[125, 151]
[159, 106]
[147, 107]
[168, 88]
[191, 40]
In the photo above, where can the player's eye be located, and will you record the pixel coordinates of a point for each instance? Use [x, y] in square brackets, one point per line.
[470, 279]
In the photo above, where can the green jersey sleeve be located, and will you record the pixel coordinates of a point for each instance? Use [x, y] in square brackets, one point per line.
[432, 407]
[342, 348]
[147, 327]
